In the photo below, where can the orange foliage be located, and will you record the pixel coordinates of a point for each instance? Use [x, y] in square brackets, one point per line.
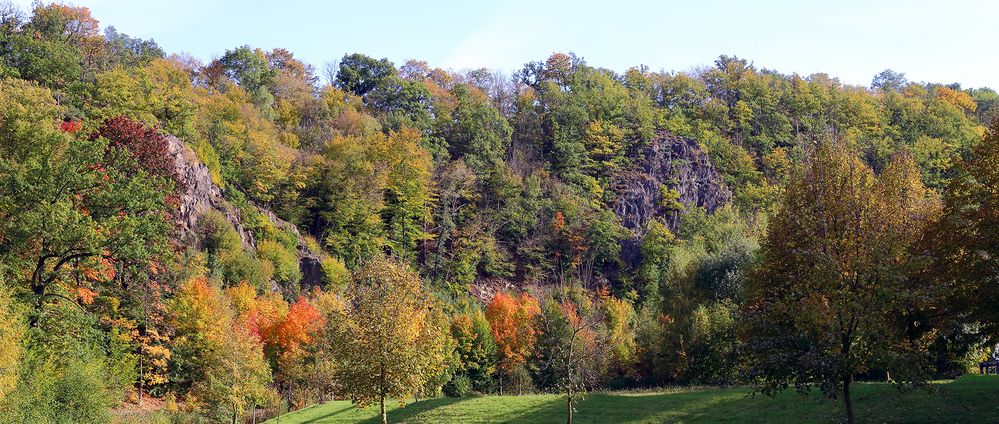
[512, 323]
[281, 328]
[85, 295]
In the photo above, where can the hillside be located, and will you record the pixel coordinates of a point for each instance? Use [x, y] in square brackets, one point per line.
[209, 237]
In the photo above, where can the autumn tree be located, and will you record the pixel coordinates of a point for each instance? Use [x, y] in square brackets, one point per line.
[149, 147]
[214, 352]
[69, 204]
[475, 348]
[390, 340]
[570, 349]
[835, 279]
[512, 322]
[966, 243]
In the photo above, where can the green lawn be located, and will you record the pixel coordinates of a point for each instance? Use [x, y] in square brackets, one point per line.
[968, 399]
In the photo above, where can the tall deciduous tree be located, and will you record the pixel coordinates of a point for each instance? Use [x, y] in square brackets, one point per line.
[966, 241]
[835, 276]
[391, 339]
[68, 203]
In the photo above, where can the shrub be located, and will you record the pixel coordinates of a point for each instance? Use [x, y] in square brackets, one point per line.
[459, 386]
[286, 271]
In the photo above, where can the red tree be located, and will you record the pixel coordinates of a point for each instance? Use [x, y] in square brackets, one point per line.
[149, 147]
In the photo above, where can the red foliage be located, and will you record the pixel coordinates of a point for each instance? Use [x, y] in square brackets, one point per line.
[70, 126]
[147, 145]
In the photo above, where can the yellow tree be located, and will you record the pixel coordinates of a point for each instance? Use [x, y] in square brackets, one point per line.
[228, 370]
[390, 339]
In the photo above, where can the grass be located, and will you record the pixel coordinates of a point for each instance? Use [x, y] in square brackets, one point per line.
[968, 399]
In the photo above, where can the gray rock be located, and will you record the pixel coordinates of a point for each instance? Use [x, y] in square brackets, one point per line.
[677, 163]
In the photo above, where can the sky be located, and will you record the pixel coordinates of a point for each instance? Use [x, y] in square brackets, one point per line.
[930, 41]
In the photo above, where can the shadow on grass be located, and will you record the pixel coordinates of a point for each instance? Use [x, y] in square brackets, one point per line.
[969, 399]
[329, 415]
[411, 410]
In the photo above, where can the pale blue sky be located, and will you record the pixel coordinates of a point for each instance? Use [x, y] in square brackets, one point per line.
[936, 41]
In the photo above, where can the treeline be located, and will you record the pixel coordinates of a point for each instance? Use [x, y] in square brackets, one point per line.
[860, 241]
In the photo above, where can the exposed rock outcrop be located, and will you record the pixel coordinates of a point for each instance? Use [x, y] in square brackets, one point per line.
[201, 194]
[677, 164]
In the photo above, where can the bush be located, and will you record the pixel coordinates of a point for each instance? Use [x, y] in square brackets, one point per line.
[459, 386]
[335, 273]
[236, 267]
[286, 271]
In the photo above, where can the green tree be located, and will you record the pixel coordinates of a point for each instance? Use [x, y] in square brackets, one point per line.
[360, 74]
[68, 203]
[475, 347]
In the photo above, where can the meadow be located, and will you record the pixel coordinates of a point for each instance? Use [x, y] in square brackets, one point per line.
[967, 399]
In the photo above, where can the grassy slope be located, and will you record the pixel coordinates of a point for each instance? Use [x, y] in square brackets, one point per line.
[968, 399]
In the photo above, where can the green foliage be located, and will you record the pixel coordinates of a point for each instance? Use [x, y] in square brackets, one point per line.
[335, 273]
[476, 351]
[360, 74]
[283, 260]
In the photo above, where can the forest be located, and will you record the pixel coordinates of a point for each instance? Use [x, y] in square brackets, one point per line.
[225, 241]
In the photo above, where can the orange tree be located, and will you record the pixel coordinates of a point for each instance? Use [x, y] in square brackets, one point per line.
[512, 322]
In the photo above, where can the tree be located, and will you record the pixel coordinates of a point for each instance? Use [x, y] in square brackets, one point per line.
[512, 322]
[149, 147]
[477, 133]
[214, 350]
[888, 80]
[571, 343]
[835, 279]
[390, 340]
[475, 347]
[360, 74]
[68, 203]
[965, 242]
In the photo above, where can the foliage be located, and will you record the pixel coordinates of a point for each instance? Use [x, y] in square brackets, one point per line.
[392, 338]
[835, 282]
[512, 322]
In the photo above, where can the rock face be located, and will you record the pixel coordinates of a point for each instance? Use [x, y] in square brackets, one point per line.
[201, 195]
[675, 163]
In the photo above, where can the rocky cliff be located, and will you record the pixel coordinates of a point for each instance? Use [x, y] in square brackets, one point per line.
[201, 194]
[676, 164]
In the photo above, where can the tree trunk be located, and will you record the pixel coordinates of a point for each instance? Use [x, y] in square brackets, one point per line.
[382, 403]
[568, 403]
[141, 377]
[846, 399]
[381, 388]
